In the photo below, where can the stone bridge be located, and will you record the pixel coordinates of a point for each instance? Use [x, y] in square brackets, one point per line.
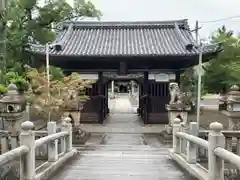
[126, 151]
[123, 156]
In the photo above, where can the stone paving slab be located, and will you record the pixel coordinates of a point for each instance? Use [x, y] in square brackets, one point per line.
[123, 119]
[117, 159]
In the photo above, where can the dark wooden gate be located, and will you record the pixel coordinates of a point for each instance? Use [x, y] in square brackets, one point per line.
[91, 108]
[96, 108]
[157, 99]
[152, 102]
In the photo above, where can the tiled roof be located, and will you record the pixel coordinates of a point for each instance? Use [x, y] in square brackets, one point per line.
[166, 38]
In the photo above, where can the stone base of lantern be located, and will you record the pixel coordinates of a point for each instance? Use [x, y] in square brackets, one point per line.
[174, 111]
[80, 136]
[177, 111]
[233, 120]
[166, 135]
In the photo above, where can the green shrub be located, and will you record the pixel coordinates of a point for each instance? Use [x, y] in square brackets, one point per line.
[3, 89]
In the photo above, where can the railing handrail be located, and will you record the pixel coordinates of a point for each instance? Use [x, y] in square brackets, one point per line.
[29, 146]
[39, 142]
[227, 155]
[4, 131]
[193, 139]
[13, 154]
[215, 146]
[226, 133]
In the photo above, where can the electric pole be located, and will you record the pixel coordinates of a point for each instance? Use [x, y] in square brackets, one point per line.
[196, 33]
[3, 38]
[196, 90]
[199, 85]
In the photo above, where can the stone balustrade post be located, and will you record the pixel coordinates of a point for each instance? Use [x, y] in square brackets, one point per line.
[192, 147]
[215, 164]
[53, 145]
[27, 162]
[67, 126]
[176, 140]
[4, 143]
[63, 144]
[183, 142]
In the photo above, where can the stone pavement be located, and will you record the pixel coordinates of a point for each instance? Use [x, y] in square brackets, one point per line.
[123, 118]
[121, 150]
[122, 157]
[122, 105]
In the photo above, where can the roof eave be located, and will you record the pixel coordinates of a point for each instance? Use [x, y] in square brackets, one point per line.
[123, 55]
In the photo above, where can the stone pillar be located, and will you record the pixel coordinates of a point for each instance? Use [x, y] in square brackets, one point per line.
[4, 143]
[53, 146]
[132, 88]
[180, 112]
[177, 111]
[192, 147]
[28, 111]
[232, 111]
[215, 164]
[176, 140]
[27, 162]
[112, 88]
[67, 126]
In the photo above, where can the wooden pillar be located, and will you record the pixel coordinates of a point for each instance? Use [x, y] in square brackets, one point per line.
[105, 99]
[139, 97]
[145, 90]
[177, 74]
[105, 89]
[100, 94]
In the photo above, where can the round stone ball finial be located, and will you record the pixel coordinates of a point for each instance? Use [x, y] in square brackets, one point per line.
[177, 121]
[27, 125]
[234, 88]
[67, 120]
[216, 126]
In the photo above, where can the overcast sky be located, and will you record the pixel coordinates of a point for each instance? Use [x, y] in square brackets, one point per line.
[158, 10]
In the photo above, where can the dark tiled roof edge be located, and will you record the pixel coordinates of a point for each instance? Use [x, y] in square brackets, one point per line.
[184, 43]
[125, 24]
[176, 24]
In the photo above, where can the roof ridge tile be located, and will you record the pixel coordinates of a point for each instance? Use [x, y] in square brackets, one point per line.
[127, 24]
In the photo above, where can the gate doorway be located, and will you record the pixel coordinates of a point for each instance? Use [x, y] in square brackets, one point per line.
[124, 95]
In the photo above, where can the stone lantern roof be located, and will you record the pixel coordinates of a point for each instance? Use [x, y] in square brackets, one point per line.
[233, 96]
[12, 96]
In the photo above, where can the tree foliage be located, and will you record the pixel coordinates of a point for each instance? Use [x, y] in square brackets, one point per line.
[55, 97]
[223, 71]
[30, 21]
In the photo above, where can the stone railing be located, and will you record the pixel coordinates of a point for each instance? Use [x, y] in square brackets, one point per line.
[232, 141]
[7, 143]
[41, 152]
[215, 146]
[27, 150]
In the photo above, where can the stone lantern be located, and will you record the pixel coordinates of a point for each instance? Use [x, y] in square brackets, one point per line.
[232, 111]
[12, 107]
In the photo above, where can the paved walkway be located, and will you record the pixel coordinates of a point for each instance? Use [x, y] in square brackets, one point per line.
[122, 157]
[122, 105]
[122, 151]
[123, 118]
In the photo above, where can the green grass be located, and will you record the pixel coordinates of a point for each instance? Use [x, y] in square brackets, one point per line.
[210, 96]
